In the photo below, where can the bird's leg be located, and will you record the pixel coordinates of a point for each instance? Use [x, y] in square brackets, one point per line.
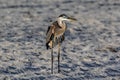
[52, 60]
[58, 56]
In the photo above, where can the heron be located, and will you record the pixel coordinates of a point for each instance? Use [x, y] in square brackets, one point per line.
[56, 34]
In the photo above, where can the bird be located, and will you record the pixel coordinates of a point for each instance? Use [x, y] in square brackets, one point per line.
[55, 35]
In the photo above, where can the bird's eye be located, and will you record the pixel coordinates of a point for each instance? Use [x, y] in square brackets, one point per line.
[64, 16]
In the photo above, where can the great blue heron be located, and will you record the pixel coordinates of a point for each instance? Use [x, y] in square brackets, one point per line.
[55, 36]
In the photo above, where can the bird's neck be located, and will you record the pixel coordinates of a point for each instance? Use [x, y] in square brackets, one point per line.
[61, 23]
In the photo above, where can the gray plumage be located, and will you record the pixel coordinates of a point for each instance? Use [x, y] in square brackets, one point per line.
[55, 36]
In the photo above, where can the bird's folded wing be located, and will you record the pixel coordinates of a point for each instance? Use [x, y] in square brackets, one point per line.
[50, 33]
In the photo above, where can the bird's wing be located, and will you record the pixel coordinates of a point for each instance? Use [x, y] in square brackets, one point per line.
[50, 33]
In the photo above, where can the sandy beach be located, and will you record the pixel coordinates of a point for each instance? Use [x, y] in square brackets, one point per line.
[91, 50]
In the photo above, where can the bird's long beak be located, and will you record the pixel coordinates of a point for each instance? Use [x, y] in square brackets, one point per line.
[72, 19]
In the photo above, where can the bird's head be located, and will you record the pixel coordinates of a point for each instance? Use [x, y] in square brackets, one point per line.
[64, 17]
